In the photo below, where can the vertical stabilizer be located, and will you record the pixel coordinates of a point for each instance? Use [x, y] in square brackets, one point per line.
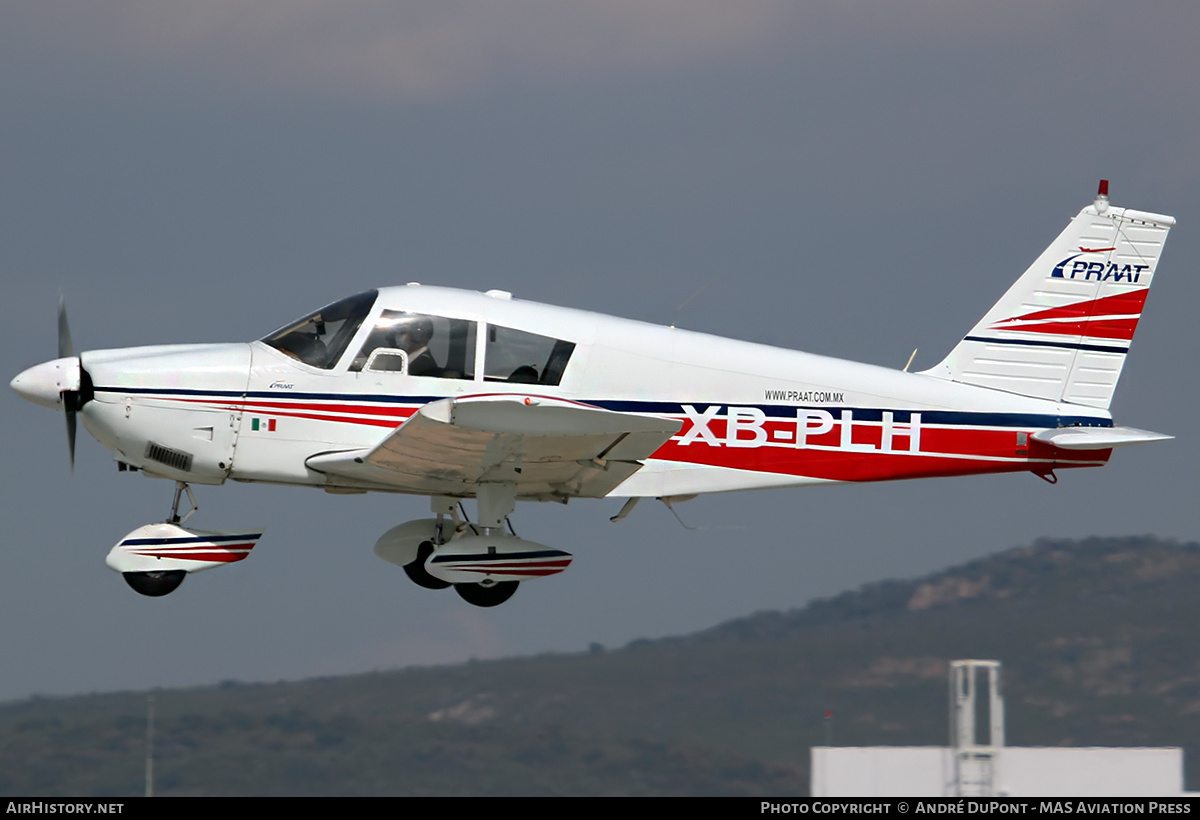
[1063, 330]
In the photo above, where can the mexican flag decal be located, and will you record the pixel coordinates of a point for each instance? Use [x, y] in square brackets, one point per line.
[265, 425]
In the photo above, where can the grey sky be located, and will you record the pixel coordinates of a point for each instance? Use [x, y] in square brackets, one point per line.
[864, 178]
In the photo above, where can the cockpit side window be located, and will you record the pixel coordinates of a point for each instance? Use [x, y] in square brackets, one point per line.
[517, 356]
[420, 345]
[320, 338]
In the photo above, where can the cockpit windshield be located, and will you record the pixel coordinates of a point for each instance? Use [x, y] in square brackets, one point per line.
[320, 338]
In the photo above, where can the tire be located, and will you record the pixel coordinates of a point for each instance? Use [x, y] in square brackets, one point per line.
[479, 595]
[155, 584]
[417, 573]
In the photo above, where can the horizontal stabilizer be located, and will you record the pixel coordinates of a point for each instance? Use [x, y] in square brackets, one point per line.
[1097, 438]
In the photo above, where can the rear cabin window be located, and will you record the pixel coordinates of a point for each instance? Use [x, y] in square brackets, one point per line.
[320, 338]
[527, 358]
[418, 344]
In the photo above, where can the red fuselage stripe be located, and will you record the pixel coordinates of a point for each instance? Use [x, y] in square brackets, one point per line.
[944, 450]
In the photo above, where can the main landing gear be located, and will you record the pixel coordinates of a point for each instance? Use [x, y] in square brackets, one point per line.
[482, 561]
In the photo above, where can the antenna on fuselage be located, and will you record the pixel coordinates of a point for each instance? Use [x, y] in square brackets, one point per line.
[703, 288]
[667, 502]
[910, 358]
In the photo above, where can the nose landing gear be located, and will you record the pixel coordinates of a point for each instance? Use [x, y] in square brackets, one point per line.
[155, 558]
[180, 488]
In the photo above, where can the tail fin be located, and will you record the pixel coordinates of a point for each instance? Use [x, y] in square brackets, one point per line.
[1062, 331]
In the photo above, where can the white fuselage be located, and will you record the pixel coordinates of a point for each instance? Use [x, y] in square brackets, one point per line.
[754, 416]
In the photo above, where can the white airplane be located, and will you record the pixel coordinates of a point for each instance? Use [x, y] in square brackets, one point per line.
[455, 394]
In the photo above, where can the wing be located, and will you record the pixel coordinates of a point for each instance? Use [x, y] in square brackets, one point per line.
[551, 449]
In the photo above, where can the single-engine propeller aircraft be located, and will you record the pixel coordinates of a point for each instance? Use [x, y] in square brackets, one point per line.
[455, 395]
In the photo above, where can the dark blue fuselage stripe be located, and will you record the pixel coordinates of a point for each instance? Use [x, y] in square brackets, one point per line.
[948, 418]
[207, 539]
[274, 394]
[500, 556]
[1042, 343]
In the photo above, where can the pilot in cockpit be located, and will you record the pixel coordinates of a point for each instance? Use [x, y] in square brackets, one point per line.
[412, 334]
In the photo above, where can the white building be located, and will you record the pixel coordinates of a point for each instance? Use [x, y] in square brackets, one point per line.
[971, 768]
[929, 771]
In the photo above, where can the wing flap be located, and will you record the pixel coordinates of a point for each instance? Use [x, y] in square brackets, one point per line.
[548, 447]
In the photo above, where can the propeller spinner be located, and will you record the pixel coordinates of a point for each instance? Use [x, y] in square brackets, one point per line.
[59, 383]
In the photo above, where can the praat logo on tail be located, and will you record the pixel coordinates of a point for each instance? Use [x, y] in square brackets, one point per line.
[1101, 271]
[457, 395]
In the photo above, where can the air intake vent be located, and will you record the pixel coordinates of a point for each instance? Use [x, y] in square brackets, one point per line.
[176, 459]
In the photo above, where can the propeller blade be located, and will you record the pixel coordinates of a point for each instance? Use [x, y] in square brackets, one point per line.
[71, 436]
[71, 401]
[65, 347]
